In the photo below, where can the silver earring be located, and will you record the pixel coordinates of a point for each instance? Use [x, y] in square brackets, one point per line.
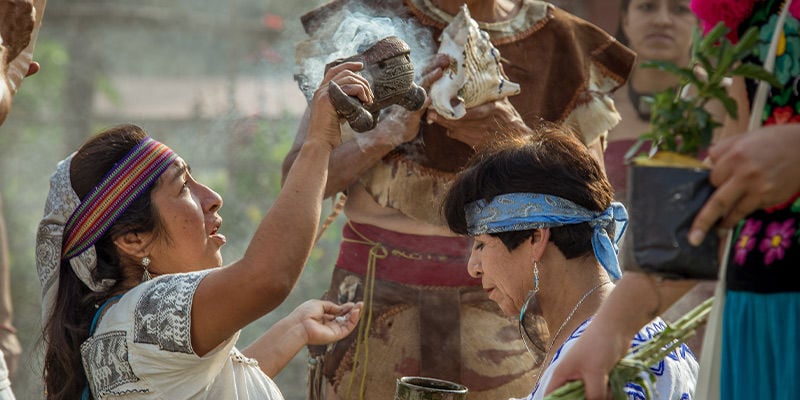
[535, 276]
[146, 274]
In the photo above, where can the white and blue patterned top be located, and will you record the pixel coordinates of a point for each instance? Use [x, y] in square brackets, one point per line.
[676, 374]
[142, 350]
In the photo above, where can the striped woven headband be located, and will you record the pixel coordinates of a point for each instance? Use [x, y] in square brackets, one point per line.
[131, 176]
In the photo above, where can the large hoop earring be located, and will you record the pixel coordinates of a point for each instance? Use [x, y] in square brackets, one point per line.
[534, 345]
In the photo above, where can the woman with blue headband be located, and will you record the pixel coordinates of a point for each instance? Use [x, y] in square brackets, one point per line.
[136, 302]
[545, 231]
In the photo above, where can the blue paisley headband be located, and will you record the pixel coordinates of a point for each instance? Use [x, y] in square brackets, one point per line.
[525, 211]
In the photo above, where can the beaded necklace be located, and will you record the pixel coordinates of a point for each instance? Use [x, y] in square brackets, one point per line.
[638, 102]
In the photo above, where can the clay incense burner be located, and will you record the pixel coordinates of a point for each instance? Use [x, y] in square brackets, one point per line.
[390, 73]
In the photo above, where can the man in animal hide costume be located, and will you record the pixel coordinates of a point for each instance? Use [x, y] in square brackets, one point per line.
[424, 315]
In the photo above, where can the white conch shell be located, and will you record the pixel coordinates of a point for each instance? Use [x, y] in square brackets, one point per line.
[475, 75]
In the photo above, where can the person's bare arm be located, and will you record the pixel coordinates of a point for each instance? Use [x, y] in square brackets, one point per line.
[349, 160]
[9, 342]
[233, 296]
[634, 302]
[20, 21]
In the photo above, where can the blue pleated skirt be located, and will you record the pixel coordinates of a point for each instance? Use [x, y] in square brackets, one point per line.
[761, 346]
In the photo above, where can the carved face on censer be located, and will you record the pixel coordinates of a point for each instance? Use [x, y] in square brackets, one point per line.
[390, 73]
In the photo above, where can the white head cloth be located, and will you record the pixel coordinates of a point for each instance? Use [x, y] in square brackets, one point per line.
[61, 203]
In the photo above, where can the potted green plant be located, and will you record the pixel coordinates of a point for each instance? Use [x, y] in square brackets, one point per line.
[668, 183]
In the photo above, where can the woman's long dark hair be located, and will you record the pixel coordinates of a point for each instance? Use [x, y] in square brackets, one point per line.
[75, 304]
[551, 161]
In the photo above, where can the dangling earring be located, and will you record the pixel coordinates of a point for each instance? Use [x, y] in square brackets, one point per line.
[533, 311]
[146, 274]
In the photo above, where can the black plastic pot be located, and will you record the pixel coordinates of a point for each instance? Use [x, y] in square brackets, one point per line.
[662, 202]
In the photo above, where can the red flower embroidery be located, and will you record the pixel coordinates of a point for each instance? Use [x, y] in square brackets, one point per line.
[782, 115]
[778, 238]
[746, 240]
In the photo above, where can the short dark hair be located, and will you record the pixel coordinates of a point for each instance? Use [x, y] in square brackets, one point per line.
[551, 160]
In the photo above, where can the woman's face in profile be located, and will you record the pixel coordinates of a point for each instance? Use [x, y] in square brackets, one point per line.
[188, 212]
[660, 29]
[506, 276]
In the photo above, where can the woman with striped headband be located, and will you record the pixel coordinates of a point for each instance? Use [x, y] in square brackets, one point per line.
[545, 235]
[135, 303]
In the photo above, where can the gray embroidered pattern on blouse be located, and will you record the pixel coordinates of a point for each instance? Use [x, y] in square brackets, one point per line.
[163, 313]
[105, 359]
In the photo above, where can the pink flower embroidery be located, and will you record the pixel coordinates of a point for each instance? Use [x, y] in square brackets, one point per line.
[746, 240]
[777, 239]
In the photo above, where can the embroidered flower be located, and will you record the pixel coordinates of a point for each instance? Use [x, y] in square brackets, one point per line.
[787, 56]
[746, 240]
[777, 240]
[732, 12]
[782, 115]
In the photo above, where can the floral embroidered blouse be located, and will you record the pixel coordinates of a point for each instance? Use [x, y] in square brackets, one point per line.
[765, 252]
[141, 349]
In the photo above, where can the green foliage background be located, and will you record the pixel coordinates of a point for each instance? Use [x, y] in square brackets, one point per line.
[90, 42]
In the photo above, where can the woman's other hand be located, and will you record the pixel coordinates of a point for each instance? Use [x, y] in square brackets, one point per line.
[325, 322]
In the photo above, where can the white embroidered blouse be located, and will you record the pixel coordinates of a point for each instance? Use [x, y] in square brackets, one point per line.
[141, 349]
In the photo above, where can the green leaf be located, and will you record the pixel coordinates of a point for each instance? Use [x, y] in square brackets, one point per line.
[725, 60]
[727, 101]
[712, 37]
[685, 73]
[753, 71]
[730, 106]
[746, 43]
[704, 61]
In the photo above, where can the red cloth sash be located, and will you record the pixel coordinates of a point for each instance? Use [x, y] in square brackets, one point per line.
[410, 259]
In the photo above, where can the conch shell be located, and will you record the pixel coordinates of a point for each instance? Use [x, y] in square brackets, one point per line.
[475, 75]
